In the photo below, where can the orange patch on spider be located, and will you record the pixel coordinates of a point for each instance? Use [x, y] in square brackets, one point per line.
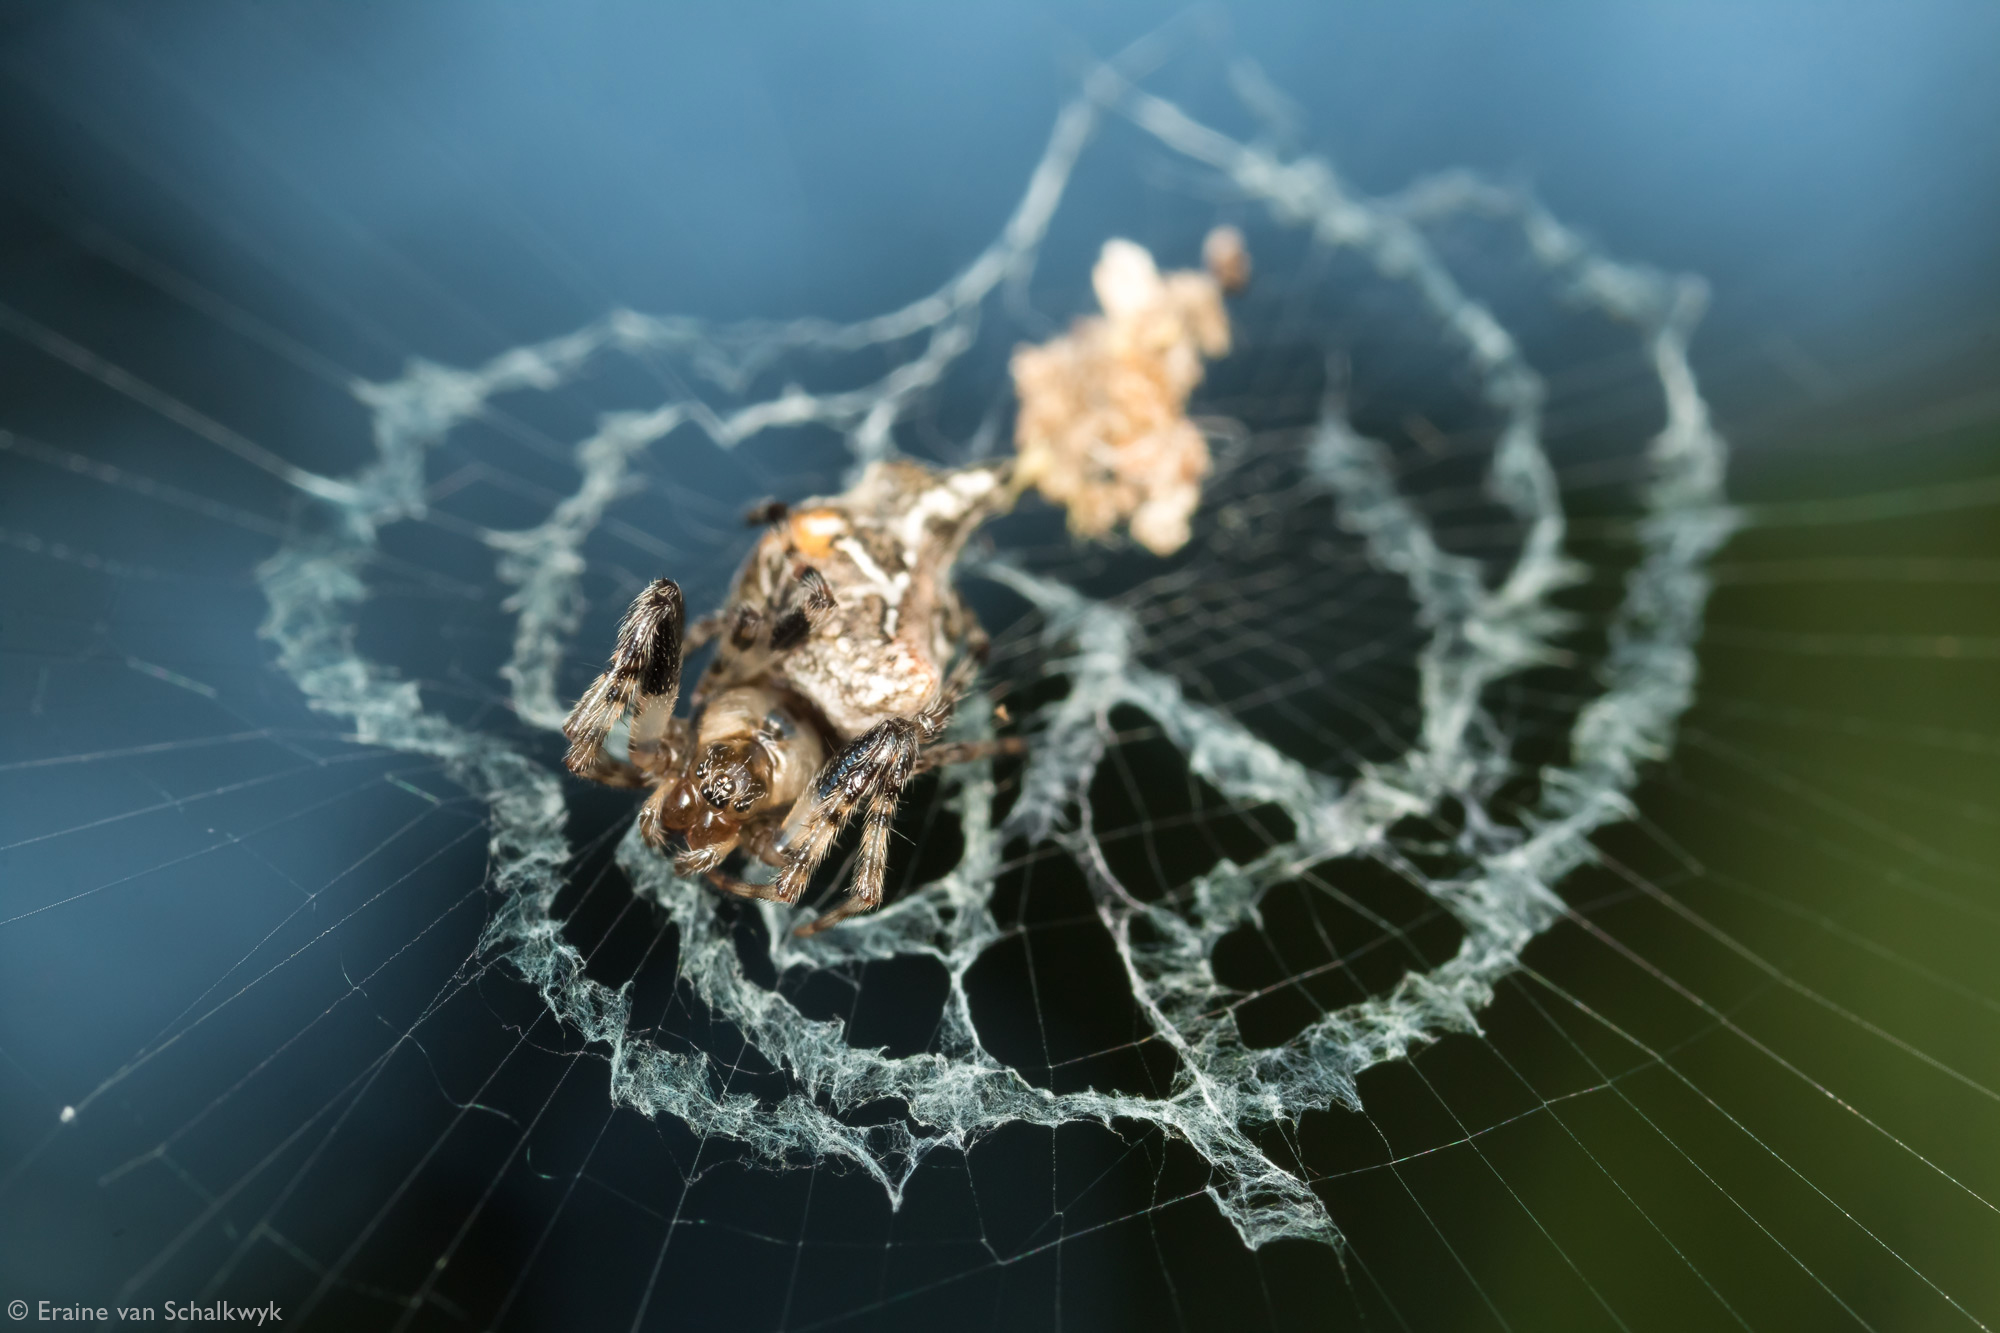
[814, 531]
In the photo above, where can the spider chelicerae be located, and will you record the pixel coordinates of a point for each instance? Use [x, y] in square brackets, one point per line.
[844, 651]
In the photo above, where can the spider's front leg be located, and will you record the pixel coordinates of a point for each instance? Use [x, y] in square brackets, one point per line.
[644, 677]
[965, 752]
[810, 606]
[870, 771]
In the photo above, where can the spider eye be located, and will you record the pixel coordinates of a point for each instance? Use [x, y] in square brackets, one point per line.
[727, 779]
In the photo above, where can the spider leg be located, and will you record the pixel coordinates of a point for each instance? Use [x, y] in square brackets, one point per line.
[645, 674]
[872, 864]
[615, 772]
[964, 752]
[744, 627]
[870, 867]
[936, 715]
[870, 770]
[699, 633]
[797, 621]
[766, 513]
[741, 888]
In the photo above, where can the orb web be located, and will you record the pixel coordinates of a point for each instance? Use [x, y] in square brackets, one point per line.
[1337, 662]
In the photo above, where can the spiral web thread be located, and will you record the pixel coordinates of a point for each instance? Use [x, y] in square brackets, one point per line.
[1479, 632]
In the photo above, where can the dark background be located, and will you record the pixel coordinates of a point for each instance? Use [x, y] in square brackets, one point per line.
[244, 206]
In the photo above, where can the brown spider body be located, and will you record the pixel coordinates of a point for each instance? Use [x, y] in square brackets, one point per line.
[843, 650]
[886, 549]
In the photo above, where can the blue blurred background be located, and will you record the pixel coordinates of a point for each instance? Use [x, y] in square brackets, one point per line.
[453, 178]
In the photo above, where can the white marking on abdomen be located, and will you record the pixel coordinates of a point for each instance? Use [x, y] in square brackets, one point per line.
[891, 590]
[949, 500]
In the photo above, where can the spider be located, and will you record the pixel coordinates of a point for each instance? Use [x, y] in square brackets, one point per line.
[844, 652]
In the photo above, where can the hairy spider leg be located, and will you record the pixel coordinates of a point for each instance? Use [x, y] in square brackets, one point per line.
[871, 866]
[965, 752]
[789, 616]
[796, 623]
[742, 888]
[933, 719]
[766, 514]
[745, 626]
[871, 770]
[645, 674]
[937, 756]
[698, 634]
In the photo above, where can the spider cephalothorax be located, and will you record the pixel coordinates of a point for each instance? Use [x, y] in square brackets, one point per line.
[844, 650]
